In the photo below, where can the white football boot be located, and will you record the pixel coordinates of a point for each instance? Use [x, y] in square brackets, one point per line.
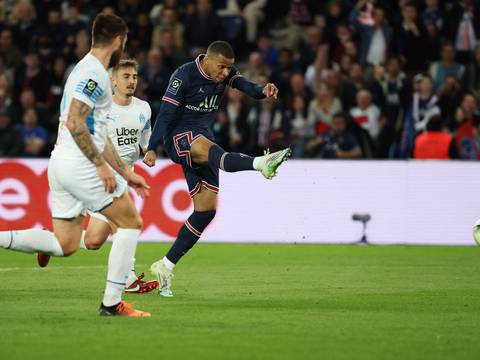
[164, 277]
[269, 163]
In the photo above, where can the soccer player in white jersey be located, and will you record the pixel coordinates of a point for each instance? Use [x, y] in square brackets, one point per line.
[129, 129]
[86, 172]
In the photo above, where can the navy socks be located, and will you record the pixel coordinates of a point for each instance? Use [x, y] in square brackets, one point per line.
[230, 162]
[189, 234]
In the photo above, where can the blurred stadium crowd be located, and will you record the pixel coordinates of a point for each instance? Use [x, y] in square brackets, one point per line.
[357, 79]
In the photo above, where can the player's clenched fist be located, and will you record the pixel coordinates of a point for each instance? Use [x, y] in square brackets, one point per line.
[270, 90]
[150, 157]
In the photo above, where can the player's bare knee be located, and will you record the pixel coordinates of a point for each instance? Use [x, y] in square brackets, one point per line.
[69, 249]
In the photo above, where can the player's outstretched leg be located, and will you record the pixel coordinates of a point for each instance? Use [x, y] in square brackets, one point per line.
[232, 162]
[188, 235]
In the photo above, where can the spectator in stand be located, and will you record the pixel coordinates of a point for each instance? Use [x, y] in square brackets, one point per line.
[301, 131]
[470, 146]
[433, 14]
[308, 48]
[411, 40]
[433, 44]
[336, 143]
[376, 37]
[342, 87]
[466, 117]
[174, 56]
[434, 143]
[55, 93]
[322, 108]
[301, 15]
[471, 77]
[424, 104]
[367, 114]
[268, 127]
[270, 54]
[9, 51]
[6, 101]
[450, 96]
[23, 23]
[338, 47]
[72, 24]
[35, 137]
[140, 33]
[54, 30]
[392, 93]
[168, 20]
[256, 68]
[297, 88]
[334, 16]
[11, 142]
[440, 70]
[462, 27]
[357, 76]
[281, 77]
[220, 130]
[237, 110]
[202, 27]
[316, 71]
[251, 12]
[33, 76]
[154, 77]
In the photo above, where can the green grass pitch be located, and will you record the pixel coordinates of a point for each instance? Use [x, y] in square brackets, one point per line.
[251, 302]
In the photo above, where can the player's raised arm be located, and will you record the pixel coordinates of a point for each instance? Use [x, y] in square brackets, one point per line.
[237, 81]
[171, 101]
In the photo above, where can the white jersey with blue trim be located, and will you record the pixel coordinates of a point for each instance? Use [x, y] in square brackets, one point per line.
[130, 129]
[89, 83]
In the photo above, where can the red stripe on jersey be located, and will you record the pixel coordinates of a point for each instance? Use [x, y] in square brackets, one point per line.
[171, 101]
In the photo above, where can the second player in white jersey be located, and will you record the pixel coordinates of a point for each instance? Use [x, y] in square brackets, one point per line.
[129, 128]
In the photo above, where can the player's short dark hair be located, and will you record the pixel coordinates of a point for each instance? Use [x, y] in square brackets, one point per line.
[221, 48]
[126, 63]
[107, 27]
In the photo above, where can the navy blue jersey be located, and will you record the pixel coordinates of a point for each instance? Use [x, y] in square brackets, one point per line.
[192, 98]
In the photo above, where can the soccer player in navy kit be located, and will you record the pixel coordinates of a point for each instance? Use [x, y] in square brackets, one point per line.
[184, 124]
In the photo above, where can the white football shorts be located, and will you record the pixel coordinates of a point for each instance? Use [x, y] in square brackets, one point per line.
[76, 187]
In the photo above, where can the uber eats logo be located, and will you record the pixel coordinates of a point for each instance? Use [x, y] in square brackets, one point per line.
[126, 136]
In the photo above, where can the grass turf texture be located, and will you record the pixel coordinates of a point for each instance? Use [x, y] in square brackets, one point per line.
[252, 302]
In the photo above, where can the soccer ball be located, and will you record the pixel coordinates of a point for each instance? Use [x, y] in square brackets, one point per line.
[476, 231]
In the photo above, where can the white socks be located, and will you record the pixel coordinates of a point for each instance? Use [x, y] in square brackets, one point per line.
[256, 162]
[168, 264]
[119, 263]
[132, 277]
[31, 241]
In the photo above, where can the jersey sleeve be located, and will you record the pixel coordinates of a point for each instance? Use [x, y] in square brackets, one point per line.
[90, 87]
[173, 98]
[237, 81]
[147, 129]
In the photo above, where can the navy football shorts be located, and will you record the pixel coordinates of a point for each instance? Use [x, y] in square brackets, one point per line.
[177, 146]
